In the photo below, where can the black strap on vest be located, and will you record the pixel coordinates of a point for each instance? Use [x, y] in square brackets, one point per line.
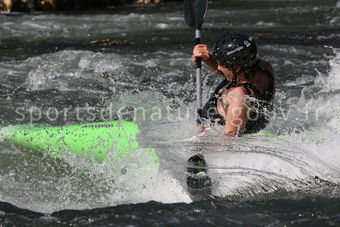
[209, 110]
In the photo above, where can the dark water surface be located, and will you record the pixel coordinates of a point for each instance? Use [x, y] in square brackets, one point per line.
[51, 73]
[308, 212]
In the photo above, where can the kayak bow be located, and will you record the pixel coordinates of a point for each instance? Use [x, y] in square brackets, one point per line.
[89, 139]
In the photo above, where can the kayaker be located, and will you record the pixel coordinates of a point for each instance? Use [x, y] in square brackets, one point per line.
[243, 99]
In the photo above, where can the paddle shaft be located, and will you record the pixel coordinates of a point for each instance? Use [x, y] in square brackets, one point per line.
[194, 13]
[198, 72]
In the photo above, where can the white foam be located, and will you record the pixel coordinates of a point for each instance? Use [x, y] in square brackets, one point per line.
[162, 26]
[56, 70]
[333, 80]
[4, 131]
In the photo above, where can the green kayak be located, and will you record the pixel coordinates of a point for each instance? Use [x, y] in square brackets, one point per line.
[97, 140]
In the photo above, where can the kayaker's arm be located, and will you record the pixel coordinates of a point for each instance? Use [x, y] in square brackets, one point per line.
[235, 111]
[201, 50]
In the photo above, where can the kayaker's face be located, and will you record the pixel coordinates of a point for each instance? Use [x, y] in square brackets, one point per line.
[226, 71]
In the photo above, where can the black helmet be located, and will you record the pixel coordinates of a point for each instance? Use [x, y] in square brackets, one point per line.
[235, 49]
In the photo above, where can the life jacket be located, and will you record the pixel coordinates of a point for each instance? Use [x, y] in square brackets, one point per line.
[263, 101]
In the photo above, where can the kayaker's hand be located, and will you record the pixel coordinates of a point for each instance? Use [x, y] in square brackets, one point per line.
[200, 50]
[201, 128]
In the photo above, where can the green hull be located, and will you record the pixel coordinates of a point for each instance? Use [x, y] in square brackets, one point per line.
[91, 139]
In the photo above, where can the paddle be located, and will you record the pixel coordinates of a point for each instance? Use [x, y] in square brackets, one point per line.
[194, 13]
[198, 183]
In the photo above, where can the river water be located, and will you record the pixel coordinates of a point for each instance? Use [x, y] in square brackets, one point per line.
[52, 73]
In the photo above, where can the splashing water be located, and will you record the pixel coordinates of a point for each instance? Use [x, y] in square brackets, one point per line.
[153, 71]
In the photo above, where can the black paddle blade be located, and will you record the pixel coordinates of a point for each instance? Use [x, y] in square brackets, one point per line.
[198, 181]
[194, 12]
